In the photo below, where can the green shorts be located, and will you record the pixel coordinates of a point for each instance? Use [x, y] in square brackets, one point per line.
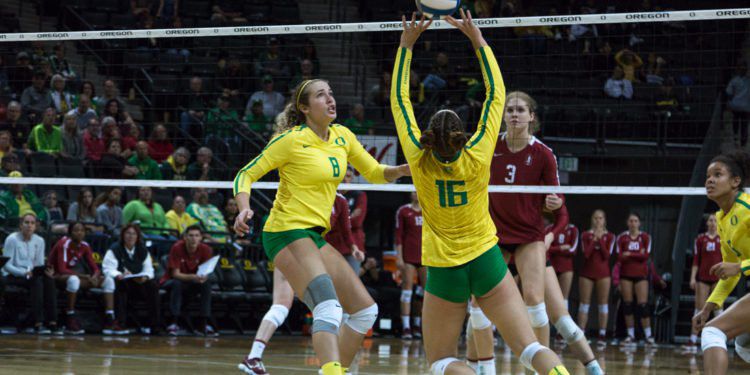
[458, 284]
[273, 242]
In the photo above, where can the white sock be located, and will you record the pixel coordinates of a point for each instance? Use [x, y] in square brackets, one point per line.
[647, 332]
[405, 322]
[486, 367]
[110, 313]
[71, 312]
[693, 339]
[418, 321]
[593, 368]
[631, 332]
[257, 350]
[602, 332]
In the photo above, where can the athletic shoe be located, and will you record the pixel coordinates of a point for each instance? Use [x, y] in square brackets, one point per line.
[56, 330]
[146, 331]
[72, 326]
[252, 366]
[650, 341]
[112, 327]
[417, 332]
[209, 331]
[603, 338]
[628, 341]
[406, 334]
[42, 330]
[173, 329]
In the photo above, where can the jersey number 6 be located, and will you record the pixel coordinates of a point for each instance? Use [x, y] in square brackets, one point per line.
[448, 196]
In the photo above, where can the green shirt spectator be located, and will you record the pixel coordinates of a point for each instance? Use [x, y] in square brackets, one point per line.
[46, 137]
[148, 169]
[222, 119]
[209, 215]
[144, 210]
[18, 201]
[256, 120]
[357, 123]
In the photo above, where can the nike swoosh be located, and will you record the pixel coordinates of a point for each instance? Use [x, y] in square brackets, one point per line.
[496, 155]
[305, 146]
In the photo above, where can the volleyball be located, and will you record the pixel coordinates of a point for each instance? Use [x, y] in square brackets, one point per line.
[438, 8]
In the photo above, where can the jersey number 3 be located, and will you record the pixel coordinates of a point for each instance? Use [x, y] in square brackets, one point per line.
[449, 197]
[511, 178]
[335, 165]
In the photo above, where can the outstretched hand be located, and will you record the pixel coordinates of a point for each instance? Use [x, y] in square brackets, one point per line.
[468, 28]
[413, 30]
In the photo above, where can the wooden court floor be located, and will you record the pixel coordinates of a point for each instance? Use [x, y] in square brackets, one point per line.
[27, 354]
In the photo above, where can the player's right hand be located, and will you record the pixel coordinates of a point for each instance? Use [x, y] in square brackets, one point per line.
[701, 318]
[400, 263]
[412, 30]
[240, 222]
[692, 284]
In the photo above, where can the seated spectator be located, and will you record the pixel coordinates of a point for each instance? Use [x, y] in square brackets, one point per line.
[46, 137]
[88, 89]
[309, 52]
[130, 264]
[273, 101]
[441, 75]
[148, 169]
[62, 100]
[83, 209]
[8, 164]
[271, 62]
[26, 252]
[204, 168]
[666, 99]
[60, 64]
[20, 74]
[6, 146]
[177, 218]
[305, 72]
[181, 279]
[131, 137]
[159, 144]
[109, 211]
[113, 109]
[653, 74]
[256, 120]
[38, 52]
[208, 214]
[36, 98]
[113, 165]
[111, 131]
[357, 123]
[630, 62]
[52, 207]
[175, 167]
[110, 93]
[84, 113]
[222, 119]
[233, 82]
[93, 142]
[72, 139]
[231, 210]
[145, 211]
[17, 125]
[18, 201]
[196, 104]
[617, 86]
[74, 269]
[738, 101]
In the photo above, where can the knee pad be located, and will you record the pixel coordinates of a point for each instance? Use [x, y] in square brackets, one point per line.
[362, 320]
[419, 291]
[627, 308]
[538, 315]
[584, 308]
[73, 284]
[603, 309]
[742, 346]
[478, 319]
[568, 329]
[320, 297]
[406, 296]
[108, 285]
[528, 354]
[644, 311]
[276, 315]
[712, 337]
[438, 367]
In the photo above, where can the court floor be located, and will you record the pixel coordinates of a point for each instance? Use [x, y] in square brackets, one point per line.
[27, 354]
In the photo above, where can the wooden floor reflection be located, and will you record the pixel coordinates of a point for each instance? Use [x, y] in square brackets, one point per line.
[25, 354]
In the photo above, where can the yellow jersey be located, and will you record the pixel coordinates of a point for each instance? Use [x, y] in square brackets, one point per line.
[734, 231]
[453, 193]
[179, 222]
[310, 170]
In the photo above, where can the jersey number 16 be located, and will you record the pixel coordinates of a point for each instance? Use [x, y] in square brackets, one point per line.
[449, 197]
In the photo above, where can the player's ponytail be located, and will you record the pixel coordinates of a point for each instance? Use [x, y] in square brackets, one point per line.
[291, 116]
[445, 135]
[535, 124]
[738, 164]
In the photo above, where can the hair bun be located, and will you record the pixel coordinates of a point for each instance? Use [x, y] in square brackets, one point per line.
[427, 139]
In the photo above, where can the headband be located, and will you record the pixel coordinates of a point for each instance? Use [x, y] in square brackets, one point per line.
[301, 89]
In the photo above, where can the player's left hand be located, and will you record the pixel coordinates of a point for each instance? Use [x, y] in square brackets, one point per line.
[358, 254]
[548, 238]
[725, 270]
[552, 202]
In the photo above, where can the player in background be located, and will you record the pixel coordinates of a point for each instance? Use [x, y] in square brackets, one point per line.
[726, 179]
[357, 201]
[633, 249]
[408, 244]
[706, 254]
[597, 244]
[562, 248]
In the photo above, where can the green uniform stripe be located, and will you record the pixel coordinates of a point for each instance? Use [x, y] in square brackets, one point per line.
[747, 205]
[489, 99]
[239, 176]
[745, 269]
[401, 100]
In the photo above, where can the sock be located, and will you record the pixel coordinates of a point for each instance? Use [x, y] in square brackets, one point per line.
[602, 332]
[486, 366]
[110, 313]
[405, 321]
[631, 332]
[559, 370]
[418, 321]
[647, 332]
[593, 368]
[332, 368]
[693, 339]
[257, 350]
[473, 364]
[70, 312]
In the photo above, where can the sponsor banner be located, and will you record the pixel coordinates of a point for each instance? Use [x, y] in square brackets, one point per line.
[685, 15]
[382, 147]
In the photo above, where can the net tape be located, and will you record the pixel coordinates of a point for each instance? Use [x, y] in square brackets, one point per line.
[594, 190]
[637, 17]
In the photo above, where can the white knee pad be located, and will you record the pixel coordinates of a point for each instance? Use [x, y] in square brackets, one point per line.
[583, 308]
[327, 316]
[603, 309]
[276, 315]
[527, 356]
[108, 285]
[568, 329]
[742, 346]
[406, 296]
[362, 320]
[438, 367]
[538, 315]
[712, 337]
[73, 284]
[478, 319]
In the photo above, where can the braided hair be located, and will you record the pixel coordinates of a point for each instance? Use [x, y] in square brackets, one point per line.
[445, 135]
